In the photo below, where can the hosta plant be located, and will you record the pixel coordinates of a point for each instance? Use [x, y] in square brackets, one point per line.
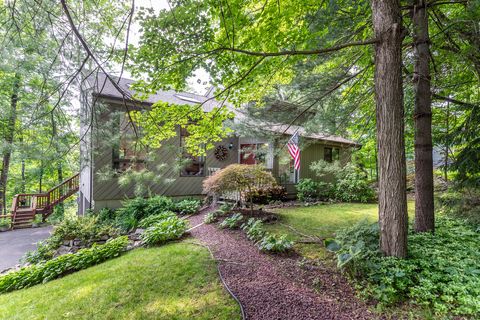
[232, 222]
[169, 229]
[151, 220]
[275, 243]
[210, 217]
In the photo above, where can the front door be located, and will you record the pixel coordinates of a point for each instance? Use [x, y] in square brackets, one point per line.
[247, 153]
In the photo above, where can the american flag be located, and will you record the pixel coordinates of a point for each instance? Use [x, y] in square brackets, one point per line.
[294, 150]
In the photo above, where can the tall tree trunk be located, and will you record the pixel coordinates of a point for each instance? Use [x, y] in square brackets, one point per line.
[447, 143]
[424, 208]
[387, 24]
[59, 159]
[10, 134]
[57, 150]
[23, 183]
[40, 178]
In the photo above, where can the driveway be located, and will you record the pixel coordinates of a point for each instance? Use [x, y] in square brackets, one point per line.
[14, 244]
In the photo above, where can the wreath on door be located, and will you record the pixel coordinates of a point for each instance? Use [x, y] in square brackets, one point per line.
[221, 153]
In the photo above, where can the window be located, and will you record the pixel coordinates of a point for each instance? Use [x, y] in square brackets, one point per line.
[256, 153]
[331, 154]
[195, 165]
[126, 153]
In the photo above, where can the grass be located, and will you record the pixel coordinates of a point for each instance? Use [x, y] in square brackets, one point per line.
[323, 221]
[175, 281]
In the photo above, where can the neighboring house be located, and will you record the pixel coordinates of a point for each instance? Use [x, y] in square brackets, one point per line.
[98, 193]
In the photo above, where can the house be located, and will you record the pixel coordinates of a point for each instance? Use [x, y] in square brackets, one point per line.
[104, 147]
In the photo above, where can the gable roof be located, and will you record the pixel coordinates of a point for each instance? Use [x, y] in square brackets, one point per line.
[102, 86]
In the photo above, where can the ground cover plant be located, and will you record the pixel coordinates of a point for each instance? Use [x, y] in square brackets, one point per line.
[187, 206]
[151, 220]
[87, 230]
[170, 228]
[135, 210]
[232, 222]
[461, 203]
[274, 243]
[441, 272]
[210, 217]
[57, 267]
[175, 281]
[264, 240]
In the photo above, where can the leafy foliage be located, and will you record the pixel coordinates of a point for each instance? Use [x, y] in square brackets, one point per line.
[307, 190]
[226, 207]
[87, 229]
[441, 271]
[275, 243]
[232, 222]
[151, 220]
[187, 206]
[347, 183]
[461, 203]
[239, 178]
[134, 210]
[254, 229]
[265, 195]
[5, 223]
[105, 215]
[43, 252]
[139, 208]
[210, 217]
[204, 128]
[165, 230]
[265, 241]
[52, 269]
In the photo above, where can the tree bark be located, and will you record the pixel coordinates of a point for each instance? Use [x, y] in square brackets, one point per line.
[447, 143]
[10, 134]
[424, 206]
[23, 183]
[393, 222]
[57, 150]
[59, 159]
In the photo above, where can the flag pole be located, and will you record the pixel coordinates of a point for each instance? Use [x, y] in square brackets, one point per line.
[289, 139]
[296, 173]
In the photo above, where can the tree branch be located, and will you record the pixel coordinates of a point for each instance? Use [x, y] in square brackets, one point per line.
[299, 52]
[448, 99]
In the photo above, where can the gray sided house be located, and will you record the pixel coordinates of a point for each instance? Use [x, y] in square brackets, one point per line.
[105, 147]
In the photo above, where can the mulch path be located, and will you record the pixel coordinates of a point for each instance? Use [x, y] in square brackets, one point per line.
[278, 286]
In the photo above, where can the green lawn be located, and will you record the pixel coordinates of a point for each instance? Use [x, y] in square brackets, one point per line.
[323, 221]
[175, 281]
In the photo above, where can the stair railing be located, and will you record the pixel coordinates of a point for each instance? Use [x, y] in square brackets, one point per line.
[45, 201]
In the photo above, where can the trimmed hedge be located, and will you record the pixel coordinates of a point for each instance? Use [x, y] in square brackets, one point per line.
[57, 267]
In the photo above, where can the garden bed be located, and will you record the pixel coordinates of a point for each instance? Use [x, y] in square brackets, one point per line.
[264, 215]
[278, 286]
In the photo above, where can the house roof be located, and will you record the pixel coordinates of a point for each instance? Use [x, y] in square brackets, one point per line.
[290, 130]
[102, 86]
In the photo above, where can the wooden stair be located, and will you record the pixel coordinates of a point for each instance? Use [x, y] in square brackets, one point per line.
[26, 205]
